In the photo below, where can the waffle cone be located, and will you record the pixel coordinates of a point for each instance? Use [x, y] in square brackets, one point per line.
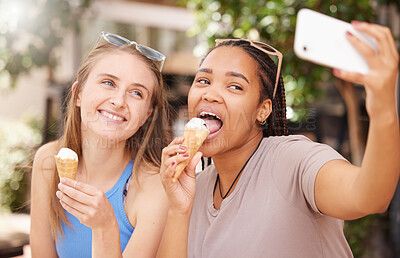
[66, 167]
[193, 139]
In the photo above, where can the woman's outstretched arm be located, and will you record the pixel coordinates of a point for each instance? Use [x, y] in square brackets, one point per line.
[349, 192]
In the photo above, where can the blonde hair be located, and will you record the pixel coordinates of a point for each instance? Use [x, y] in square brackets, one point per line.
[146, 144]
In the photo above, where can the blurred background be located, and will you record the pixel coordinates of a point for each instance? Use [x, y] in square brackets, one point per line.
[42, 43]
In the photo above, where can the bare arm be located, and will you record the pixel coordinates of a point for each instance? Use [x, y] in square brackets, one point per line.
[175, 238]
[41, 240]
[150, 204]
[349, 192]
[181, 197]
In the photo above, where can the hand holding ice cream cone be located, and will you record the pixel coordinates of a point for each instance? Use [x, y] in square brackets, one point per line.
[194, 135]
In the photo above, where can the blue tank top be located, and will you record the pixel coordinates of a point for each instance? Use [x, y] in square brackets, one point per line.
[77, 242]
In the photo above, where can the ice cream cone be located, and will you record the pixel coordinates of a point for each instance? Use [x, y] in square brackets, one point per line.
[66, 167]
[193, 139]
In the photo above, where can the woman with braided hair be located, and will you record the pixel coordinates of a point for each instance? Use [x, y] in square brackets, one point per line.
[269, 194]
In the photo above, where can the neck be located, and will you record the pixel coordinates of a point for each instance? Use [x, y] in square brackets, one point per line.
[102, 160]
[228, 164]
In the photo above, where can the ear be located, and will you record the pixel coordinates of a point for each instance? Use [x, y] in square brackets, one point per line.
[78, 98]
[264, 110]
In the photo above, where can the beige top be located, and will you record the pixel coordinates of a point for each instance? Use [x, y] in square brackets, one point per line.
[272, 211]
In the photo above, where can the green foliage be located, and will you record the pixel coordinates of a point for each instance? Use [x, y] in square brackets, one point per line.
[30, 30]
[359, 233]
[18, 144]
[274, 22]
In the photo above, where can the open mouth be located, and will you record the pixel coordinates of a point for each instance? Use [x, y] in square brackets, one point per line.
[112, 116]
[213, 122]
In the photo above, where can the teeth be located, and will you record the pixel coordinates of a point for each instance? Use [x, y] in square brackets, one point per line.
[203, 113]
[111, 116]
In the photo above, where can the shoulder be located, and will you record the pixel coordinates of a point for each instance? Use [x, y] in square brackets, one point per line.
[293, 154]
[285, 141]
[44, 162]
[206, 176]
[47, 151]
[150, 183]
[148, 189]
[44, 173]
[294, 146]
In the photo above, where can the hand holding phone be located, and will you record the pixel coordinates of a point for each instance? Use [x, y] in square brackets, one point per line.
[322, 39]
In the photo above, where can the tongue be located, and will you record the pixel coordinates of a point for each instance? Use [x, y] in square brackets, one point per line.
[213, 124]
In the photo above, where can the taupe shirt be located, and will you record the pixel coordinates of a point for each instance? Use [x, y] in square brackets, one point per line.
[272, 211]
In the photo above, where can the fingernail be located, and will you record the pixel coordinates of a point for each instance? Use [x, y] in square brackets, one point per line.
[348, 33]
[59, 186]
[186, 155]
[337, 71]
[58, 193]
[355, 22]
[173, 163]
[182, 148]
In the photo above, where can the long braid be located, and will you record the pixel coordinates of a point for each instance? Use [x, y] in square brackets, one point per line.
[283, 103]
[278, 116]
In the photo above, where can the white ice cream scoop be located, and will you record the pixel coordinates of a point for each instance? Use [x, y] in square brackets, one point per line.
[196, 124]
[66, 153]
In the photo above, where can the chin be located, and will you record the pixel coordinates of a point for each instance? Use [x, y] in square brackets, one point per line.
[212, 147]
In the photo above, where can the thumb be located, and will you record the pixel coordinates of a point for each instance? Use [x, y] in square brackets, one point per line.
[191, 167]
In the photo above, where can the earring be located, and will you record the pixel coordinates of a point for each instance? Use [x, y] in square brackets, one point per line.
[263, 122]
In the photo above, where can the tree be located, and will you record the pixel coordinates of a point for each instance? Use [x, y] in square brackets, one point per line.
[30, 31]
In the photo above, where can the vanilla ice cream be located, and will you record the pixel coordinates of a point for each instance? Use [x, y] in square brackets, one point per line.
[196, 124]
[66, 153]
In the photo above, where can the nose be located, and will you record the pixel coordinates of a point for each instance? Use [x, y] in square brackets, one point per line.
[212, 94]
[118, 100]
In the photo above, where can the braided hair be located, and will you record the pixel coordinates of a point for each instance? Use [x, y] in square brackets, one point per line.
[266, 69]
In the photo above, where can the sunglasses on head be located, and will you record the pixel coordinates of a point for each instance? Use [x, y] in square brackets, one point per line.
[148, 52]
[264, 48]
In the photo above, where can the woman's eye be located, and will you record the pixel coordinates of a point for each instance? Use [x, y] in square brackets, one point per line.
[203, 81]
[136, 93]
[109, 83]
[235, 87]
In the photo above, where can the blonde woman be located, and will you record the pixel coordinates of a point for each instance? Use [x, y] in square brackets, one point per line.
[116, 123]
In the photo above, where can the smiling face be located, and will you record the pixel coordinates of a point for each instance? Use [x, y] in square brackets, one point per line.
[226, 93]
[116, 98]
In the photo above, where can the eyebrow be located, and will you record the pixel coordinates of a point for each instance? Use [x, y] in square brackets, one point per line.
[235, 74]
[204, 70]
[117, 79]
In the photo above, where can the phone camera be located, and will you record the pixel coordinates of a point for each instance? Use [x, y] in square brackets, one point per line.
[304, 48]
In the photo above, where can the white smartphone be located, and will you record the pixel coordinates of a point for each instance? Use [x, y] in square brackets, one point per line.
[321, 39]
